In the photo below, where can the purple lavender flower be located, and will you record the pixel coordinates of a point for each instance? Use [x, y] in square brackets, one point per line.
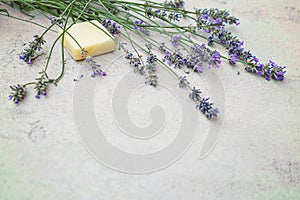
[214, 19]
[41, 85]
[97, 71]
[112, 26]
[141, 26]
[162, 47]
[215, 59]
[173, 16]
[206, 108]
[157, 13]
[255, 59]
[204, 16]
[247, 55]
[233, 59]
[259, 68]
[175, 40]
[135, 62]
[175, 4]
[203, 104]
[179, 63]
[152, 80]
[206, 30]
[218, 20]
[235, 47]
[240, 46]
[276, 72]
[268, 71]
[199, 69]
[183, 82]
[150, 63]
[174, 58]
[279, 76]
[195, 94]
[163, 14]
[57, 20]
[211, 40]
[22, 56]
[167, 56]
[237, 52]
[18, 93]
[30, 52]
[201, 54]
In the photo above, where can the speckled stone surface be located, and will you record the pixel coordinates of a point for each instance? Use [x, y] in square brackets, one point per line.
[256, 157]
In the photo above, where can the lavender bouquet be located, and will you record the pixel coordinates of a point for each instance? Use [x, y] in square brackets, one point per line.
[193, 39]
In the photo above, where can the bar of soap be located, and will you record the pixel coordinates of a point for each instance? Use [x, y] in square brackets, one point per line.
[90, 37]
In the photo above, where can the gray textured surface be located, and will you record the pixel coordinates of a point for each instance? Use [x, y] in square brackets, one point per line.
[257, 156]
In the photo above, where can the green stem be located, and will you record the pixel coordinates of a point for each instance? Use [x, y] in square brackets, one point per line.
[28, 21]
[63, 35]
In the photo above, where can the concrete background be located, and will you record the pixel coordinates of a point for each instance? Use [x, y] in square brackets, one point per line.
[257, 156]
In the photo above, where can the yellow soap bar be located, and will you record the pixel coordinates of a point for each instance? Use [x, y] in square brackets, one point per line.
[94, 40]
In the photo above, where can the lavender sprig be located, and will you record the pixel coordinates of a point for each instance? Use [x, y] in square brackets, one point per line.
[41, 85]
[175, 39]
[215, 21]
[112, 26]
[57, 20]
[163, 14]
[174, 16]
[152, 78]
[268, 71]
[97, 71]
[206, 108]
[18, 93]
[202, 103]
[151, 63]
[183, 82]
[158, 13]
[135, 62]
[29, 52]
[196, 58]
[141, 26]
[176, 58]
[175, 3]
